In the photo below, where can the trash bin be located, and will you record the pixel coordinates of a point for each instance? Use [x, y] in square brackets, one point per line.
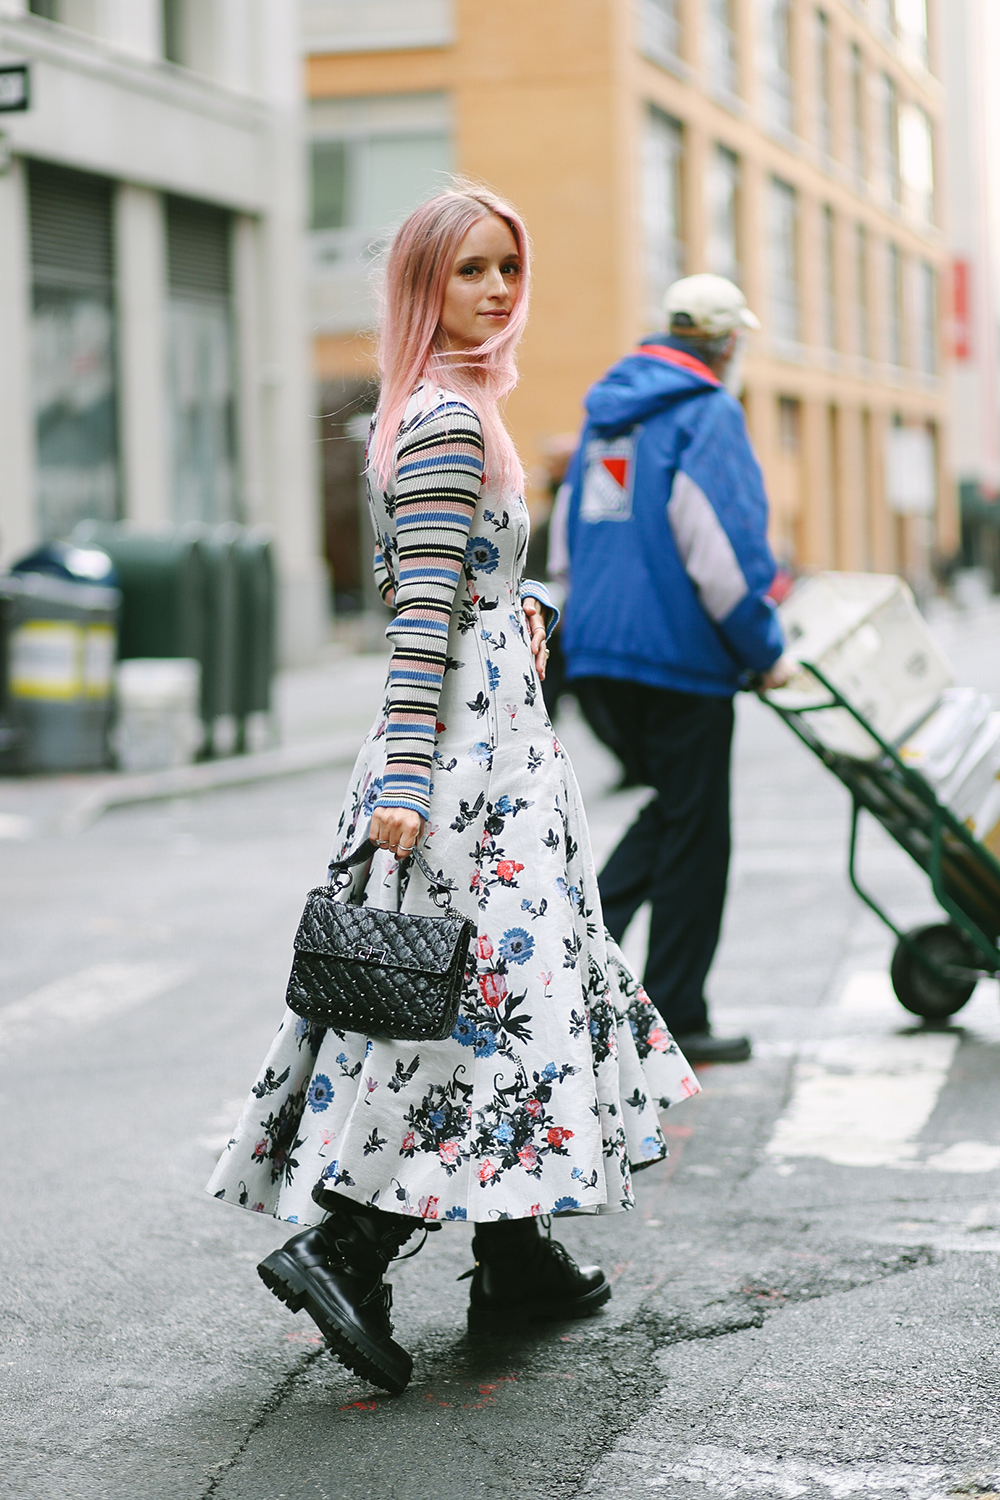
[220, 658]
[9, 734]
[159, 723]
[256, 623]
[61, 637]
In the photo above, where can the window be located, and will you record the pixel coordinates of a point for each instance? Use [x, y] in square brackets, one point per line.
[857, 90]
[824, 112]
[174, 39]
[863, 338]
[723, 187]
[911, 28]
[47, 8]
[371, 160]
[894, 306]
[663, 144]
[200, 366]
[789, 424]
[916, 162]
[660, 30]
[720, 47]
[776, 70]
[73, 344]
[882, 13]
[828, 286]
[925, 319]
[887, 126]
[783, 258]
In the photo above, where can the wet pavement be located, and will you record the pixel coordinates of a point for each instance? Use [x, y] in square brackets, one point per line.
[805, 1301]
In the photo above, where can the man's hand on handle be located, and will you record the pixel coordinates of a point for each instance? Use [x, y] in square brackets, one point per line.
[782, 672]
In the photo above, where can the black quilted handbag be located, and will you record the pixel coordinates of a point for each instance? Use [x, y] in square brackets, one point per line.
[383, 973]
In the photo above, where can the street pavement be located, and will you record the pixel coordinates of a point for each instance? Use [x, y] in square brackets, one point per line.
[805, 1301]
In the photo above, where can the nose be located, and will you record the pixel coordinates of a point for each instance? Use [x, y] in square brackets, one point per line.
[496, 287]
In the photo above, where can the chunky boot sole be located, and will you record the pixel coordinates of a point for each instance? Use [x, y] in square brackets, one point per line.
[515, 1317]
[384, 1364]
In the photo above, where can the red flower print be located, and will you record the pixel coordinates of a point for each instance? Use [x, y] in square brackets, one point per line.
[536, 1209]
[258, 1208]
[528, 1157]
[486, 1171]
[259, 1151]
[428, 1207]
[440, 728]
[558, 1136]
[484, 948]
[409, 1141]
[448, 1152]
[474, 881]
[658, 1039]
[534, 1108]
[493, 988]
[507, 869]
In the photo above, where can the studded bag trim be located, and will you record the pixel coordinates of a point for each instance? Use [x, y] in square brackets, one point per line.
[388, 974]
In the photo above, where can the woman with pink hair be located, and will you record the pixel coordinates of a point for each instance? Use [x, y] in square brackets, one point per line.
[543, 1101]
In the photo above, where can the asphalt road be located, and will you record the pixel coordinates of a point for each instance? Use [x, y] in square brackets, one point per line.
[806, 1301]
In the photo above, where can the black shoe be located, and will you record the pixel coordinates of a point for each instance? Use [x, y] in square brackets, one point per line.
[335, 1271]
[521, 1278]
[703, 1047]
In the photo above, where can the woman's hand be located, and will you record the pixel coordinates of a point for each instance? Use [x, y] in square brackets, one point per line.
[535, 616]
[397, 829]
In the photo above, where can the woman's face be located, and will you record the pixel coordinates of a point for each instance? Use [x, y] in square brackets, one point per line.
[483, 286]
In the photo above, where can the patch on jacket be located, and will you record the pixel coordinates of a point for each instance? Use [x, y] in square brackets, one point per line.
[608, 476]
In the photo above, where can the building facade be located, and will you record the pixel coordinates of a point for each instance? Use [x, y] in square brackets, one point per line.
[793, 145]
[152, 316]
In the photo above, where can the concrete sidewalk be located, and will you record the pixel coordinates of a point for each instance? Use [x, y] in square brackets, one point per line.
[322, 713]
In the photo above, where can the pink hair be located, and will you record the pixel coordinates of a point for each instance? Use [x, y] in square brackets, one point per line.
[410, 344]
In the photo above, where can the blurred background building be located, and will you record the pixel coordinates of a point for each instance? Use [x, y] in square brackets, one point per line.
[152, 315]
[970, 48]
[793, 145]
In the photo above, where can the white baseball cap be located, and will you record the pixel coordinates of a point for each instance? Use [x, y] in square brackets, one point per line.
[715, 305]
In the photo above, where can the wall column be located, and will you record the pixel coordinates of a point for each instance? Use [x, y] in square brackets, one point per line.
[815, 528]
[140, 252]
[851, 501]
[246, 289]
[17, 447]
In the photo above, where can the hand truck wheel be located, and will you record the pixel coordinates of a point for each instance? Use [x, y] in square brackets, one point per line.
[928, 989]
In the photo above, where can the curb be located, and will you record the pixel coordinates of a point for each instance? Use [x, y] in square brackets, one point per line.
[210, 776]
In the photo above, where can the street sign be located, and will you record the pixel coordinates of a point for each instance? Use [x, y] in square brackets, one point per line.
[15, 87]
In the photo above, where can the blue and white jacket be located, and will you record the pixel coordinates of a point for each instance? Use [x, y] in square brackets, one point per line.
[666, 529]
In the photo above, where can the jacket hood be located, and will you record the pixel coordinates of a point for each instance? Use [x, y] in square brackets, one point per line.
[645, 382]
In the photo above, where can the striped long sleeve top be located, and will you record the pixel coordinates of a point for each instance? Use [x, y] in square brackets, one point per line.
[436, 483]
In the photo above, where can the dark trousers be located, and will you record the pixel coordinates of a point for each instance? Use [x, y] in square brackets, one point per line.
[676, 854]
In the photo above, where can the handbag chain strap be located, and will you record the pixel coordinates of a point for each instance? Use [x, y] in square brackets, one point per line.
[441, 889]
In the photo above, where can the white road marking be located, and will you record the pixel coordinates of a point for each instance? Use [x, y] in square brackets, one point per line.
[965, 1156]
[13, 826]
[85, 999]
[729, 1471]
[861, 1101]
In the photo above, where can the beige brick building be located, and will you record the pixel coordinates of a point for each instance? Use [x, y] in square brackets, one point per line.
[790, 144]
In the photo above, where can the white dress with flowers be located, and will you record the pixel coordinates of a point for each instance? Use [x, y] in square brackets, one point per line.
[545, 1098]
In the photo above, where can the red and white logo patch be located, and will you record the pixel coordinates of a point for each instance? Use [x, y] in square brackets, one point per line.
[607, 482]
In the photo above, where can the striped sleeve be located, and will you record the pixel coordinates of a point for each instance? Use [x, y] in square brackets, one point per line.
[439, 472]
[383, 578]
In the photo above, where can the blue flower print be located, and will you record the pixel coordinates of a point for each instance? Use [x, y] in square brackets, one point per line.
[371, 796]
[320, 1093]
[465, 1032]
[341, 1058]
[486, 1043]
[564, 1205]
[503, 805]
[301, 1027]
[436, 1118]
[481, 753]
[549, 1072]
[504, 1132]
[516, 946]
[651, 1148]
[481, 555]
[494, 675]
[456, 1213]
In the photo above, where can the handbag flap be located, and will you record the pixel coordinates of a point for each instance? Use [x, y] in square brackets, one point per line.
[385, 939]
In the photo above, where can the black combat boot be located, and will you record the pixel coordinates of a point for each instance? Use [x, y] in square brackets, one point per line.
[521, 1278]
[334, 1271]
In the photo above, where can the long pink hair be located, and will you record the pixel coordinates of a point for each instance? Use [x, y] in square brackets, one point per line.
[411, 345]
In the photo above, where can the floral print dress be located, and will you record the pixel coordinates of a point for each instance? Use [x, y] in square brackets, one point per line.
[545, 1098]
